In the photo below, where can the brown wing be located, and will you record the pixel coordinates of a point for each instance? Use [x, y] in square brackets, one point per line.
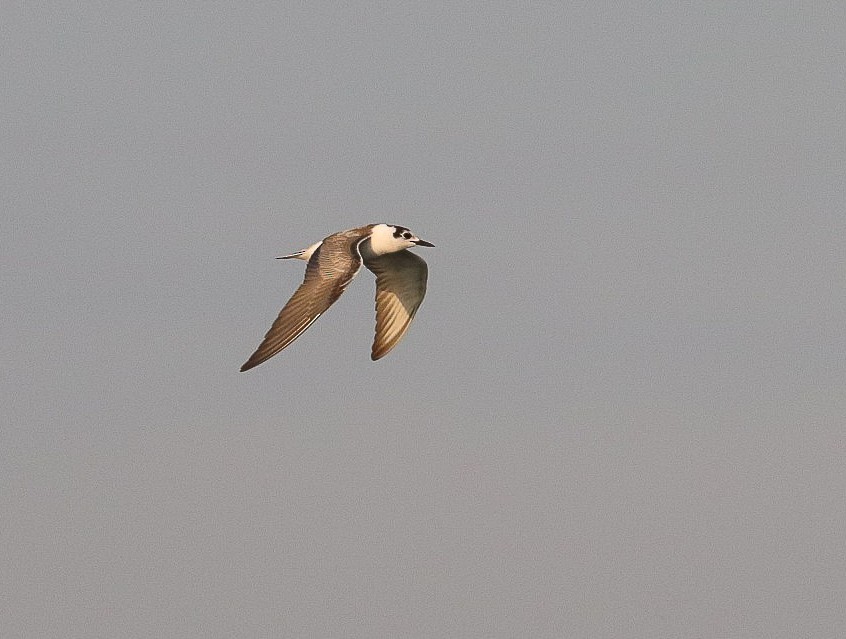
[329, 270]
[400, 287]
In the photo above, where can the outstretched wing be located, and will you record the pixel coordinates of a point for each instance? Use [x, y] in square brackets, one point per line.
[329, 271]
[400, 287]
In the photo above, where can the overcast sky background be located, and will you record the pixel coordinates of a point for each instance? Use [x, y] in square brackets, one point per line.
[619, 412]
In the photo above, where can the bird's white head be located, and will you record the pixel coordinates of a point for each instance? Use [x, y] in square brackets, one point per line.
[389, 238]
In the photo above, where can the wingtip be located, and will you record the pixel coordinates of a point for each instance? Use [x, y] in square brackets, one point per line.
[250, 363]
[379, 353]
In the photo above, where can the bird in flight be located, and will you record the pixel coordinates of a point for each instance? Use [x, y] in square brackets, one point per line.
[332, 264]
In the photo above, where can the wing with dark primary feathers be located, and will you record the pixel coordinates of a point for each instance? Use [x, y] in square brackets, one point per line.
[330, 269]
[400, 287]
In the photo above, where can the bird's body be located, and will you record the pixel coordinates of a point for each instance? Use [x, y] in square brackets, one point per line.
[332, 264]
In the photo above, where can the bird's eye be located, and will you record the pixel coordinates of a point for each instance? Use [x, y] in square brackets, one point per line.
[407, 236]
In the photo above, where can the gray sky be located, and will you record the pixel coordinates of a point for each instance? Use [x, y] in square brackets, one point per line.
[619, 412]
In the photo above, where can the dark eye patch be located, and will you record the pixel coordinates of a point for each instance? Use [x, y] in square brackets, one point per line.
[406, 235]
